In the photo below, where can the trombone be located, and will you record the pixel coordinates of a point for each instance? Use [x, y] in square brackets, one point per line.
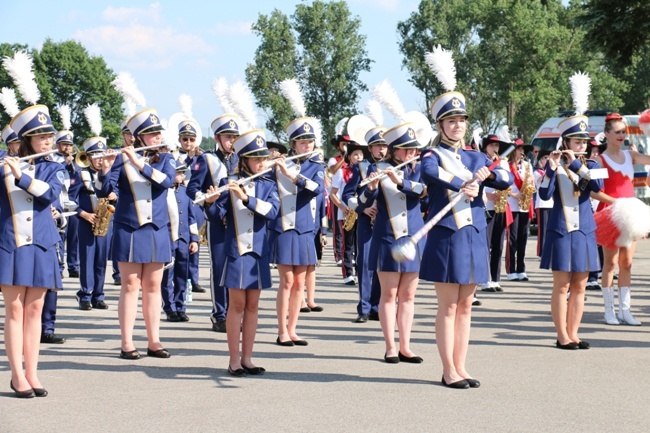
[29, 157]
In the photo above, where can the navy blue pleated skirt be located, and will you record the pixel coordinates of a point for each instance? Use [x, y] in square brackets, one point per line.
[292, 248]
[145, 244]
[459, 257]
[572, 252]
[246, 272]
[30, 266]
[381, 259]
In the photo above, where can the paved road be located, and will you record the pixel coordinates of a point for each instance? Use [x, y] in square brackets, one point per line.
[339, 382]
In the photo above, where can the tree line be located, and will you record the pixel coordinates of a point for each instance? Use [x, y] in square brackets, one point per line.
[513, 59]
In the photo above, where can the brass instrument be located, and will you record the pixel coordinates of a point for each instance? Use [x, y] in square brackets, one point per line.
[82, 159]
[527, 190]
[203, 233]
[104, 214]
[502, 200]
[350, 220]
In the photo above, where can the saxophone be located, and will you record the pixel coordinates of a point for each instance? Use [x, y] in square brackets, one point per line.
[502, 200]
[105, 212]
[203, 233]
[527, 191]
[350, 220]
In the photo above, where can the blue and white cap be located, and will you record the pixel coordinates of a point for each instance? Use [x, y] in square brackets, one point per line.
[375, 136]
[8, 135]
[402, 137]
[301, 128]
[188, 127]
[34, 120]
[251, 144]
[95, 144]
[447, 105]
[144, 122]
[225, 124]
[64, 136]
[123, 125]
[574, 127]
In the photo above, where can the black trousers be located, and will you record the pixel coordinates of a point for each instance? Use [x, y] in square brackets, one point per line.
[517, 240]
[496, 233]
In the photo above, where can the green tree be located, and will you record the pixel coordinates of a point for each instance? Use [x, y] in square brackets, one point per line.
[321, 47]
[620, 29]
[275, 60]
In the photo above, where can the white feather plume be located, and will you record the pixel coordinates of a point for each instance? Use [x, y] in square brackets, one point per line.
[503, 134]
[9, 101]
[290, 89]
[441, 62]
[242, 101]
[580, 90]
[66, 116]
[386, 94]
[94, 118]
[127, 87]
[600, 137]
[477, 134]
[20, 69]
[339, 129]
[220, 90]
[374, 111]
[185, 103]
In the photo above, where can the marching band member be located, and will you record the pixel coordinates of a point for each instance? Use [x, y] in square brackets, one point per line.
[369, 288]
[292, 233]
[12, 141]
[174, 281]
[355, 153]
[334, 165]
[542, 207]
[28, 249]
[248, 208]
[93, 250]
[570, 248]
[141, 238]
[207, 171]
[398, 215]
[523, 188]
[619, 164]
[188, 155]
[456, 248]
[498, 212]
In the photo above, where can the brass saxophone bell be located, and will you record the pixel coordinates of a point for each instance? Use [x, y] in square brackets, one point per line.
[82, 159]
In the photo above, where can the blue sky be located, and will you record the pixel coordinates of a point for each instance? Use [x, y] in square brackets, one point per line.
[174, 47]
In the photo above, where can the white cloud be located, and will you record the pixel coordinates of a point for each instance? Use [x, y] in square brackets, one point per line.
[140, 37]
[232, 28]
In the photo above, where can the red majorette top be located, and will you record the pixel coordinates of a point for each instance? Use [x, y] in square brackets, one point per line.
[620, 182]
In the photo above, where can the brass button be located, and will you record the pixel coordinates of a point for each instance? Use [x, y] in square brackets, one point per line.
[403, 213]
[290, 224]
[250, 230]
[31, 168]
[404, 231]
[469, 220]
[575, 209]
[180, 212]
[29, 200]
[250, 213]
[457, 156]
[149, 218]
[29, 218]
[148, 200]
[466, 200]
[29, 239]
[293, 208]
[250, 185]
[402, 197]
[249, 246]
[148, 183]
[575, 226]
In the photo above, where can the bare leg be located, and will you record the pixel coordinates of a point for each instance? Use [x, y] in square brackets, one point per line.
[282, 301]
[561, 282]
[462, 328]
[151, 302]
[295, 300]
[236, 305]
[310, 282]
[625, 257]
[14, 298]
[389, 282]
[576, 305]
[610, 258]
[408, 284]
[448, 295]
[34, 298]
[127, 306]
[250, 327]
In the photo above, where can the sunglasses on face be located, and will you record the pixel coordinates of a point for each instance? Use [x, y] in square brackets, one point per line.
[192, 139]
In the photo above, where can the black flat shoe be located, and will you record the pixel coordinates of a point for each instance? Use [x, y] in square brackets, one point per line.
[316, 308]
[473, 383]
[85, 305]
[362, 318]
[459, 384]
[284, 343]
[160, 353]
[173, 317]
[52, 339]
[40, 392]
[299, 342]
[255, 371]
[182, 316]
[373, 317]
[305, 310]
[391, 359]
[196, 288]
[410, 359]
[237, 373]
[133, 354]
[100, 305]
[583, 345]
[22, 394]
[569, 346]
